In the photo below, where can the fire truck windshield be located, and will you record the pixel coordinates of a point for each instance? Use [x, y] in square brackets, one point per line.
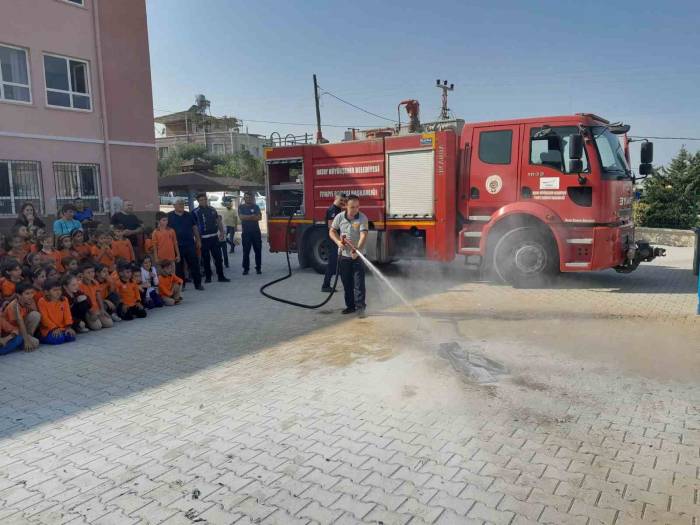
[612, 157]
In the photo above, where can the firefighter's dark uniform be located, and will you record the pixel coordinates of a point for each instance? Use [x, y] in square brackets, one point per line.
[208, 224]
[251, 237]
[331, 212]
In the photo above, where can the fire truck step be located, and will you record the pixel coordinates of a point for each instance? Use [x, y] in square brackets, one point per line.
[577, 264]
[482, 218]
[579, 241]
[472, 234]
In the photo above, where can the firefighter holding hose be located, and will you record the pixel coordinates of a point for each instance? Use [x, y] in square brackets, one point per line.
[349, 232]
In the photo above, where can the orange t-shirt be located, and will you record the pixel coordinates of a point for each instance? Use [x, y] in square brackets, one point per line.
[7, 328]
[106, 287]
[128, 292]
[38, 294]
[121, 249]
[83, 251]
[165, 242]
[9, 314]
[91, 290]
[105, 256]
[54, 314]
[53, 257]
[166, 283]
[7, 288]
[148, 246]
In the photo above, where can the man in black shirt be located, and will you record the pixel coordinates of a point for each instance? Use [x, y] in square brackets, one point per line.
[133, 226]
[187, 233]
[250, 216]
[334, 209]
[211, 231]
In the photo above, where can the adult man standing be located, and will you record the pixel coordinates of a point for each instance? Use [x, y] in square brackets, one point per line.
[230, 218]
[211, 231]
[352, 226]
[133, 226]
[187, 233]
[82, 213]
[333, 210]
[250, 216]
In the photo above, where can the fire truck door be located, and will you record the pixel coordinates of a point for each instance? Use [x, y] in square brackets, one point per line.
[493, 176]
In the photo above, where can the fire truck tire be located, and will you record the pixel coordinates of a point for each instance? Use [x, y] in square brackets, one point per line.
[317, 247]
[525, 257]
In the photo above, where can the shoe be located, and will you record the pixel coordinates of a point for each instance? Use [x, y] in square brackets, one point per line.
[245, 272]
[82, 329]
[200, 288]
[326, 289]
[116, 318]
[259, 272]
[348, 311]
[207, 280]
[224, 280]
[361, 313]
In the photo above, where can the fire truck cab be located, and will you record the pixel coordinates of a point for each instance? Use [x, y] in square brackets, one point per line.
[524, 198]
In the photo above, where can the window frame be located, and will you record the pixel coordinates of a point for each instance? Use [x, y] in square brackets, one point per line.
[70, 93]
[223, 148]
[510, 146]
[79, 3]
[529, 154]
[98, 183]
[21, 200]
[29, 79]
[163, 152]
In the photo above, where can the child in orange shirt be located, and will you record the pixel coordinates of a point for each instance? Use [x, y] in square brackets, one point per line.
[23, 315]
[148, 241]
[38, 277]
[129, 294]
[107, 291]
[164, 241]
[65, 247]
[56, 319]
[11, 275]
[70, 264]
[46, 252]
[102, 251]
[169, 284]
[121, 247]
[10, 340]
[97, 316]
[79, 245]
[18, 249]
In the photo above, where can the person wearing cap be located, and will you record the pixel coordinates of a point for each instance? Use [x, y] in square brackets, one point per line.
[187, 234]
[334, 209]
[211, 231]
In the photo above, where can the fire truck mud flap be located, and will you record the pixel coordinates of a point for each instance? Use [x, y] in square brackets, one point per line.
[641, 252]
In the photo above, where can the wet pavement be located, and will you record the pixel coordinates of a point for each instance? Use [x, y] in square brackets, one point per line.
[578, 403]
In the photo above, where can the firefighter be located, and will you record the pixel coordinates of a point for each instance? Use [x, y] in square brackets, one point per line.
[349, 232]
[250, 216]
[334, 209]
[211, 231]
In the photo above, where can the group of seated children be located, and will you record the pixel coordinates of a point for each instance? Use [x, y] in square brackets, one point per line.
[52, 291]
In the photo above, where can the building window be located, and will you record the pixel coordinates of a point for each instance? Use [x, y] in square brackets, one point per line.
[78, 2]
[244, 147]
[67, 82]
[162, 152]
[14, 74]
[218, 149]
[20, 182]
[78, 180]
[495, 146]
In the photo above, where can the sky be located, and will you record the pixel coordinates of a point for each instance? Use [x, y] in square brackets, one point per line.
[636, 62]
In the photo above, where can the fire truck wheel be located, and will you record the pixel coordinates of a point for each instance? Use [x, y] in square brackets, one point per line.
[525, 257]
[318, 247]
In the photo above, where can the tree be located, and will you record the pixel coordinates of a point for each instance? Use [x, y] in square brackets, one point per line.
[241, 165]
[672, 193]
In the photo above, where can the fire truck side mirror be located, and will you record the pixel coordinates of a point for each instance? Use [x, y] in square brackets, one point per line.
[645, 168]
[575, 166]
[576, 148]
[646, 154]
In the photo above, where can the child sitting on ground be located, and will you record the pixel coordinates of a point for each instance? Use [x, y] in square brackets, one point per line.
[38, 276]
[78, 302]
[129, 294]
[18, 249]
[121, 247]
[69, 264]
[46, 253]
[23, 315]
[102, 251]
[107, 291]
[149, 277]
[169, 284]
[10, 340]
[97, 317]
[65, 247]
[56, 319]
[80, 246]
[11, 276]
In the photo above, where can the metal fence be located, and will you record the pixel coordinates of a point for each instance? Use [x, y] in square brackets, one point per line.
[20, 182]
[78, 180]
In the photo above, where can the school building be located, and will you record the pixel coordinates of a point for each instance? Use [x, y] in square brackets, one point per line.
[76, 110]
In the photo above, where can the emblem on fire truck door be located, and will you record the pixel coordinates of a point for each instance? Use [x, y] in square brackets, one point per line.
[494, 183]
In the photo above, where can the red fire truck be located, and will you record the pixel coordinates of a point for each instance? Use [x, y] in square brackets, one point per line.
[525, 198]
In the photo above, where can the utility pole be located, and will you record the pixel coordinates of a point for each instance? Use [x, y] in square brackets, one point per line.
[444, 111]
[319, 135]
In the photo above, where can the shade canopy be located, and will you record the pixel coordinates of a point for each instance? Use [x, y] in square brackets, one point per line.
[194, 181]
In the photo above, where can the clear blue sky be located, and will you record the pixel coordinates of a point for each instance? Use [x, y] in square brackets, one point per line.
[637, 62]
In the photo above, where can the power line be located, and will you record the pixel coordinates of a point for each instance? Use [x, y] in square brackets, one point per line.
[357, 107]
[664, 138]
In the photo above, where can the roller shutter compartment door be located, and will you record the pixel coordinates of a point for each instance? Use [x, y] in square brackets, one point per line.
[411, 182]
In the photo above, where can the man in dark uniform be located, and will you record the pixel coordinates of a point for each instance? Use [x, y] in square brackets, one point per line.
[333, 210]
[211, 231]
[250, 216]
[187, 233]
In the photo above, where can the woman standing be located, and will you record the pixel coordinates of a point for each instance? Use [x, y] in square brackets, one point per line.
[28, 217]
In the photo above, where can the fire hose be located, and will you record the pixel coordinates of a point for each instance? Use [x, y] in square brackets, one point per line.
[289, 274]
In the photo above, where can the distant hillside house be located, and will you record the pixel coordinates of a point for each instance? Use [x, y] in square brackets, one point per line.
[220, 135]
